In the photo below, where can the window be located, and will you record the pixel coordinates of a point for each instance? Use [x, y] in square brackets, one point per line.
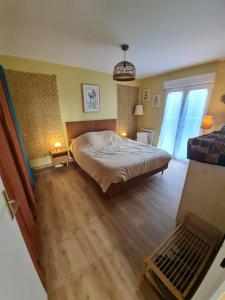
[184, 110]
[170, 121]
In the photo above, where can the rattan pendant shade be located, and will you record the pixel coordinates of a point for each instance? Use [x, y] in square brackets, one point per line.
[124, 70]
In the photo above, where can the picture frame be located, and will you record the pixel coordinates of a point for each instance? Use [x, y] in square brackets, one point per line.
[91, 97]
[156, 99]
[146, 95]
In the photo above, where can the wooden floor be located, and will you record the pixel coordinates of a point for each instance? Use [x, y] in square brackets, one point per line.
[93, 248]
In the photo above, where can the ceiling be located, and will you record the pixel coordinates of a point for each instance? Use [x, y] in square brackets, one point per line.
[163, 34]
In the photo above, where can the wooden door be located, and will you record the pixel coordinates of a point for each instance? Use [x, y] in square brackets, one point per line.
[15, 190]
[17, 268]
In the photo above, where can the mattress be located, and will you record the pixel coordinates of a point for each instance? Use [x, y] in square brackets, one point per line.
[108, 158]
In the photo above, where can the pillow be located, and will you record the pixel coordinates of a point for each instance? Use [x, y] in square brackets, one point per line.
[97, 139]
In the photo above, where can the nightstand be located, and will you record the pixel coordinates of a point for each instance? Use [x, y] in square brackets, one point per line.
[59, 156]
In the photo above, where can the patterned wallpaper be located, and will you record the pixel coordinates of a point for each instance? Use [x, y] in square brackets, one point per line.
[127, 98]
[36, 104]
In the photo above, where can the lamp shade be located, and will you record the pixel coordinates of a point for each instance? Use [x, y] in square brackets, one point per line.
[139, 110]
[58, 144]
[124, 70]
[207, 122]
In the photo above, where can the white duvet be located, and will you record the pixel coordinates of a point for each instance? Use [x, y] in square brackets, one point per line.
[108, 158]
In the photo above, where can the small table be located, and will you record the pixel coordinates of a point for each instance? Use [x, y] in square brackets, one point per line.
[59, 156]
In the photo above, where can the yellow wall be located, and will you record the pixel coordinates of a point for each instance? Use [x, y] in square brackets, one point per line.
[153, 116]
[69, 81]
[216, 106]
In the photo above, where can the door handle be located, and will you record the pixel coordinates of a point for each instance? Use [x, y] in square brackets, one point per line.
[11, 204]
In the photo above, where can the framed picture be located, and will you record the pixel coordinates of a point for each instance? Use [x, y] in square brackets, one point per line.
[91, 98]
[146, 95]
[156, 101]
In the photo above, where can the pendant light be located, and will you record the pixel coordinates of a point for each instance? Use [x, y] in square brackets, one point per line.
[124, 70]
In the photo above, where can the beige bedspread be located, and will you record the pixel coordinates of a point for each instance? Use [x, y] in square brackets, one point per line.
[108, 158]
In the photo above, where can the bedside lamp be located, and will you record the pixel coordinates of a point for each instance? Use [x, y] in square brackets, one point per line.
[207, 122]
[123, 134]
[139, 110]
[58, 145]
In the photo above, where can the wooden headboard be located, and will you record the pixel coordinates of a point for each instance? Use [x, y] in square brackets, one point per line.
[74, 129]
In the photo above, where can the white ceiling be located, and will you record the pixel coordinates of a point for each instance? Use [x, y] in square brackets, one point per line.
[163, 34]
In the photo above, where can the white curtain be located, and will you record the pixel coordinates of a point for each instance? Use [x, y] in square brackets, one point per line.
[170, 121]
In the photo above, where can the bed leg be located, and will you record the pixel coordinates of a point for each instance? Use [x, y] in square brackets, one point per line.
[162, 172]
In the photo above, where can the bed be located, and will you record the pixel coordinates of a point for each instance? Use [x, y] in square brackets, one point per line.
[113, 162]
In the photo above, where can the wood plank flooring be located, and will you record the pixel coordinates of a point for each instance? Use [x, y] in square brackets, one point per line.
[92, 247]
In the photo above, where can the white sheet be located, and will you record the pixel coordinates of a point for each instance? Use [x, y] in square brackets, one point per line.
[108, 158]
